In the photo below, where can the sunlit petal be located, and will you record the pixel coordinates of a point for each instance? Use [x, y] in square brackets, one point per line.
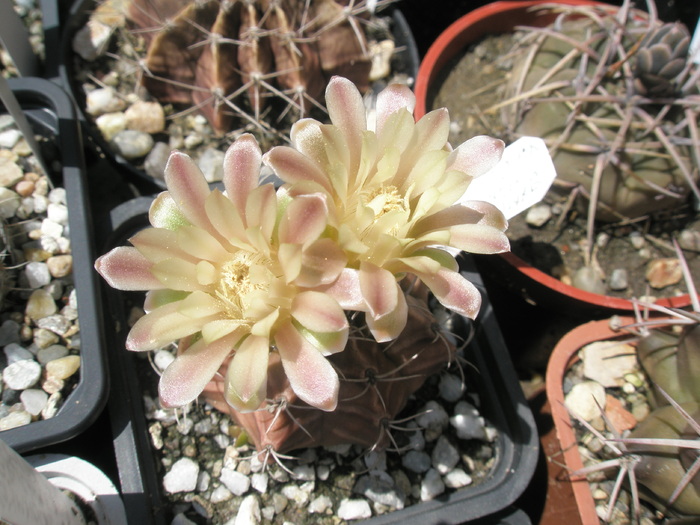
[478, 238]
[225, 219]
[189, 373]
[177, 274]
[393, 98]
[453, 291]
[310, 374]
[304, 219]
[292, 166]
[187, 187]
[390, 326]
[200, 243]
[347, 111]
[241, 170]
[157, 298]
[318, 312]
[346, 290]
[261, 209]
[246, 378]
[379, 289]
[124, 268]
[477, 155]
[164, 213]
[320, 263]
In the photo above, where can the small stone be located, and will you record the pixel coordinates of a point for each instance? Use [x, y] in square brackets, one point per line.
[182, 476]
[44, 338]
[91, 40]
[14, 352]
[607, 362]
[618, 416]
[60, 265]
[618, 279]
[538, 215]
[249, 511]
[431, 486]
[147, 117]
[416, 461]
[22, 374]
[111, 124]
[162, 359]
[9, 332]
[103, 100]
[433, 419]
[15, 419]
[193, 140]
[451, 387]
[156, 160]
[602, 239]
[52, 385]
[52, 405]
[34, 400]
[211, 163]
[220, 494]
[381, 53]
[9, 138]
[637, 239]
[320, 505]
[132, 144]
[57, 213]
[63, 367]
[640, 411]
[56, 323]
[10, 173]
[380, 487]
[468, 422]
[445, 456]
[664, 272]
[689, 240]
[354, 509]
[582, 398]
[37, 274]
[259, 482]
[304, 472]
[9, 203]
[457, 478]
[25, 188]
[588, 279]
[236, 482]
[51, 228]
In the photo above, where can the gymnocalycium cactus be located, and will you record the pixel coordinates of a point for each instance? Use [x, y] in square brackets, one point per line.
[615, 95]
[288, 284]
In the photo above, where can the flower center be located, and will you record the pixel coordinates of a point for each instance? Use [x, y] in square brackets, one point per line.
[236, 282]
[386, 199]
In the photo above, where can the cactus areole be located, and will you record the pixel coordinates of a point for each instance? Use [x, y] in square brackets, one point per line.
[311, 299]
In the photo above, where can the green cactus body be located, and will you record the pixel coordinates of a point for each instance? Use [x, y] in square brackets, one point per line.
[376, 383]
[586, 96]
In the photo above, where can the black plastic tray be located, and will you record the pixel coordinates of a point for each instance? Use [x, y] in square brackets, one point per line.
[51, 113]
[502, 404]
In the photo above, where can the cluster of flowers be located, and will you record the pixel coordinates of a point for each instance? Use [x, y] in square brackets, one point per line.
[256, 269]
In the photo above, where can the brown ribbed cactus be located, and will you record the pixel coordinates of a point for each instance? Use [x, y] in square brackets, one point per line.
[237, 59]
[615, 96]
[376, 381]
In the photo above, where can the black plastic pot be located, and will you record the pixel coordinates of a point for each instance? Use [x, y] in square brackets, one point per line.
[405, 60]
[502, 404]
[51, 113]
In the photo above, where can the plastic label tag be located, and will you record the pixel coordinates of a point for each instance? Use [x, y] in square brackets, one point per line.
[520, 180]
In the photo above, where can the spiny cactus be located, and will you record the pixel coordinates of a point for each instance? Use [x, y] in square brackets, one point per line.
[616, 97]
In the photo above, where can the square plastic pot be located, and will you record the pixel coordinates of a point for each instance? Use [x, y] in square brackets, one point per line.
[51, 114]
[503, 405]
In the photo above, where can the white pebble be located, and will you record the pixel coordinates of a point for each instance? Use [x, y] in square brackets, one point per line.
[110, 124]
[57, 213]
[431, 486]
[320, 505]
[220, 493]
[103, 100]
[467, 421]
[9, 202]
[354, 509]
[236, 482]
[457, 479]
[451, 387]
[15, 419]
[182, 476]
[51, 228]
[259, 482]
[582, 398]
[162, 359]
[34, 400]
[249, 511]
[9, 138]
[538, 215]
[22, 374]
[445, 456]
[416, 461]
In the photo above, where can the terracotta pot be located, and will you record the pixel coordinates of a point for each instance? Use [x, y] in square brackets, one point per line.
[495, 18]
[563, 356]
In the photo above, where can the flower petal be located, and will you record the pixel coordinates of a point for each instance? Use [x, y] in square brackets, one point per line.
[261, 209]
[188, 188]
[225, 219]
[293, 166]
[242, 170]
[304, 219]
[393, 98]
[190, 372]
[318, 312]
[476, 156]
[157, 298]
[246, 377]
[379, 289]
[453, 291]
[201, 244]
[177, 274]
[310, 374]
[479, 238]
[158, 244]
[321, 263]
[346, 290]
[125, 268]
[347, 111]
[390, 326]
[164, 213]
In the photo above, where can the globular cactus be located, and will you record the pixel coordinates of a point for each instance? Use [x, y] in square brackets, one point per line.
[615, 95]
[304, 303]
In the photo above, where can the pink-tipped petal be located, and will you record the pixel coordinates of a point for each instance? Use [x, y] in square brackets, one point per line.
[246, 378]
[305, 218]
[224, 218]
[310, 374]
[347, 291]
[379, 289]
[293, 166]
[479, 238]
[188, 188]
[158, 244]
[454, 292]
[177, 274]
[187, 376]
[433, 130]
[242, 170]
[347, 111]
[124, 268]
[320, 263]
[476, 156]
[157, 298]
[318, 312]
[390, 326]
[390, 100]
[197, 242]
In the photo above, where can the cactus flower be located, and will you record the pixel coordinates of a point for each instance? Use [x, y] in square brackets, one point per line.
[391, 187]
[234, 274]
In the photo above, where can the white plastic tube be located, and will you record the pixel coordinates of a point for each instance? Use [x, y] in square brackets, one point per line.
[28, 498]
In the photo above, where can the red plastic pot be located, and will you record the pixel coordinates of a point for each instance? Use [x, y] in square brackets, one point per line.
[495, 18]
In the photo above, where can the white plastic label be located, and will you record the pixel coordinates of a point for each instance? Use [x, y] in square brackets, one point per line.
[520, 180]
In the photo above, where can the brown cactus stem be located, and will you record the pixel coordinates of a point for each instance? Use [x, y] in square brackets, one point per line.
[376, 381]
[255, 58]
